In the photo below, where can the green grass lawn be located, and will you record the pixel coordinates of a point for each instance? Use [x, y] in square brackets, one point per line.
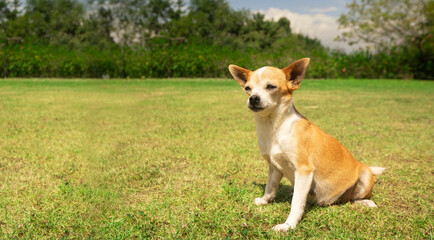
[178, 159]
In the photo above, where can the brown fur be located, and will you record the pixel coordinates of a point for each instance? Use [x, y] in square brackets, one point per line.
[336, 170]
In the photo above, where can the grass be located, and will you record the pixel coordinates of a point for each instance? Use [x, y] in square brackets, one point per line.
[178, 158]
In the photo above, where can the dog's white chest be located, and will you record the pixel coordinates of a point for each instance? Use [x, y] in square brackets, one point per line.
[279, 145]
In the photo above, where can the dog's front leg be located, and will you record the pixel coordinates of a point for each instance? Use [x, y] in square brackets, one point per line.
[274, 178]
[303, 181]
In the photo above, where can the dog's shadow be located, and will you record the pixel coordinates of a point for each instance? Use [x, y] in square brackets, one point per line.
[284, 194]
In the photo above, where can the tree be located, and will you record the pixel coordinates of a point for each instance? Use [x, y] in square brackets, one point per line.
[285, 25]
[213, 21]
[54, 21]
[383, 22]
[9, 10]
[97, 28]
[261, 33]
[157, 13]
[10, 24]
[405, 25]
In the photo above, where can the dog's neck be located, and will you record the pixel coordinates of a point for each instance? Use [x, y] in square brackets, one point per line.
[282, 113]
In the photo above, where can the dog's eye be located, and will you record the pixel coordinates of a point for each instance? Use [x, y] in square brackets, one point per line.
[271, 87]
[247, 88]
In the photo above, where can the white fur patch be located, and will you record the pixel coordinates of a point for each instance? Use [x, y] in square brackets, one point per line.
[260, 201]
[301, 190]
[366, 202]
[282, 227]
[260, 72]
[377, 170]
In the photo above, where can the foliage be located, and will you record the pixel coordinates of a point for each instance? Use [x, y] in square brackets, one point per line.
[193, 60]
[164, 38]
[405, 26]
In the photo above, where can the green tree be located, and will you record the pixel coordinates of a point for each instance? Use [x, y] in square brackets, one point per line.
[9, 10]
[261, 33]
[213, 21]
[54, 21]
[157, 14]
[11, 28]
[405, 25]
[98, 26]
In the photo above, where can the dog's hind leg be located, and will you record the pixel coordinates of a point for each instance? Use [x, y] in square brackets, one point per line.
[363, 188]
[274, 178]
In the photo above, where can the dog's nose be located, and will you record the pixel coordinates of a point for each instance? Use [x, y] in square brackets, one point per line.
[254, 99]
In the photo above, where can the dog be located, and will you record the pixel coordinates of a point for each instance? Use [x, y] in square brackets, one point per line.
[316, 164]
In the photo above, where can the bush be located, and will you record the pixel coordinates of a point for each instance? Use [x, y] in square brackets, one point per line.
[195, 60]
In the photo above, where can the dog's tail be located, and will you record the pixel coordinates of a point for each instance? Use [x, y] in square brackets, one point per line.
[377, 170]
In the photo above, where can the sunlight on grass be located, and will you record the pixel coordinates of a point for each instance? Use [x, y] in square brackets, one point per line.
[178, 159]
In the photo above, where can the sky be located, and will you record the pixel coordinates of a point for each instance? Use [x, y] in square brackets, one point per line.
[315, 18]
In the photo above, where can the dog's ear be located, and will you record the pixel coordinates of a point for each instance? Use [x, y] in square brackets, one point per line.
[295, 73]
[240, 74]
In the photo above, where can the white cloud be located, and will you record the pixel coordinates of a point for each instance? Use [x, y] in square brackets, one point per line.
[318, 25]
[324, 10]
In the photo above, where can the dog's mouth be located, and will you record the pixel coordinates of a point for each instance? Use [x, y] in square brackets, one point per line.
[256, 108]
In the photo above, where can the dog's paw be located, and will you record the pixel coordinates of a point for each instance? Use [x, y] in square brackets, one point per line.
[260, 201]
[366, 202]
[283, 227]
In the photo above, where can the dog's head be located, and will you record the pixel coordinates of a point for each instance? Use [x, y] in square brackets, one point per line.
[268, 86]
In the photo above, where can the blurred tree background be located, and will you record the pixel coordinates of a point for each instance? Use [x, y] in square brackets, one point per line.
[402, 28]
[168, 38]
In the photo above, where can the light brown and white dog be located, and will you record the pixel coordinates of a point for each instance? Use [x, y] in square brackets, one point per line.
[316, 163]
